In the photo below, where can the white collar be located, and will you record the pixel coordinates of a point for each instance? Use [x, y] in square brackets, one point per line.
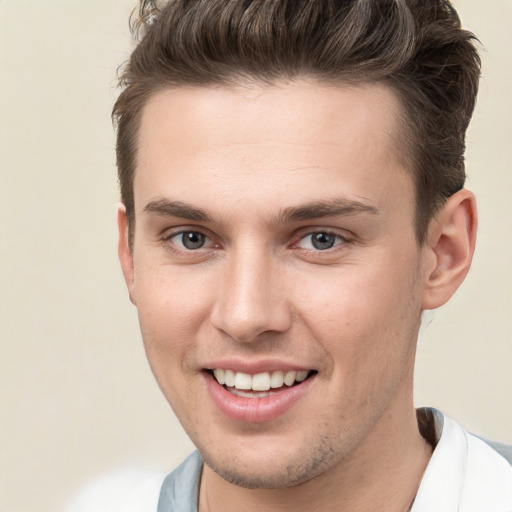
[464, 474]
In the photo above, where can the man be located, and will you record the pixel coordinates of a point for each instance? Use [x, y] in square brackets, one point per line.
[292, 183]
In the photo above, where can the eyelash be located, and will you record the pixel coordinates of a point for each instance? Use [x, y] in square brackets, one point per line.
[167, 240]
[340, 240]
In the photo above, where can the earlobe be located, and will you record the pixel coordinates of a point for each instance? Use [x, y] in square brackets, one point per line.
[124, 250]
[450, 247]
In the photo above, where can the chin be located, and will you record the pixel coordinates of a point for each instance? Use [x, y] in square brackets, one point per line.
[277, 478]
[272, 469]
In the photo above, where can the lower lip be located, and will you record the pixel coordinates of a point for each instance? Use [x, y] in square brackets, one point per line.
[255, 410]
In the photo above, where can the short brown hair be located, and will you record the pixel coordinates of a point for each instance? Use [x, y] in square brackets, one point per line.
[416, 46]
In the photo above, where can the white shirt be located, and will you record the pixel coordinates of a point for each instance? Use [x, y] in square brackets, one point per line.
[464, 474]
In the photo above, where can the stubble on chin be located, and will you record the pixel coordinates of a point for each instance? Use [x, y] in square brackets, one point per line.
[282, 471]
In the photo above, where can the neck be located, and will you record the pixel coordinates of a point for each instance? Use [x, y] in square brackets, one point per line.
[382, 473]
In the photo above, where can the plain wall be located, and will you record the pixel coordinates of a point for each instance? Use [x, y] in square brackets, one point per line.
[77, 396]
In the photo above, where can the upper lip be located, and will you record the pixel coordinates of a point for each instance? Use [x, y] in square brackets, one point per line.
[253, 367]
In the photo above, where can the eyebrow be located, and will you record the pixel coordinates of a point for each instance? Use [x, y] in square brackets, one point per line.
[314, 210]
[330, 208]
[177, 209]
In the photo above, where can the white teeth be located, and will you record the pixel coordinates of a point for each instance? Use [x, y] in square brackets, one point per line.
[277, 380]
[259, 382]
[289, 378]
[229, 378]
[249, 394]
[243, 381]
[219, 375]
[301, 376]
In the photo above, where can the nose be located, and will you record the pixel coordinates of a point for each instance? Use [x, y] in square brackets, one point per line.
[250, 299]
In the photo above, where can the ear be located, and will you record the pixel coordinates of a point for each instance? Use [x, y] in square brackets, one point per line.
[124, 251]
[450, 247]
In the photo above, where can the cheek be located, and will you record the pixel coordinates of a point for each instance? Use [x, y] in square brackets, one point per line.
[364, 316]
[169, 298]
[170, 316]
[171, 312]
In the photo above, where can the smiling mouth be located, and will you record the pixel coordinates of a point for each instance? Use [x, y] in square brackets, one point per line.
[260, 385]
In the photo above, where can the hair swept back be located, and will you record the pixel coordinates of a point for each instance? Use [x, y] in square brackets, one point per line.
[416, 46]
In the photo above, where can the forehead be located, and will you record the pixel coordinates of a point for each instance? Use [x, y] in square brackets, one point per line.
[258, 141]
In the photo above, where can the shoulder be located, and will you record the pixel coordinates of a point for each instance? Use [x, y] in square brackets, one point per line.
[135, 490]
[432, 424]
[505, 450]
[466, 472]
[180, 488]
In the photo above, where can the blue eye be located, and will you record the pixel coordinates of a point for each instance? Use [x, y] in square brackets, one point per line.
[189, 240]
[320, 241]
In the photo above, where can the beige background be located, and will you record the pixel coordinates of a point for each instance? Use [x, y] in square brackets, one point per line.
[77, 397]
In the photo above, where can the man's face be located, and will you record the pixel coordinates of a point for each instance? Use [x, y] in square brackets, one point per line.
[275, 237]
